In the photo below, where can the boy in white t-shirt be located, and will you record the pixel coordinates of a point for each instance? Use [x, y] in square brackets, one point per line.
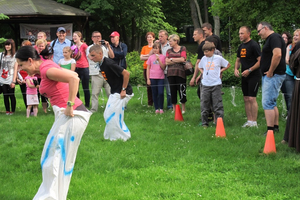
[211, 66]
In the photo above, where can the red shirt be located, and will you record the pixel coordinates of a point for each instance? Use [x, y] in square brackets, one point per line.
[82, 62]
[58, 92]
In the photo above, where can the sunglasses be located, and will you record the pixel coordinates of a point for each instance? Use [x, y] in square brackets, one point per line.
[260, 29]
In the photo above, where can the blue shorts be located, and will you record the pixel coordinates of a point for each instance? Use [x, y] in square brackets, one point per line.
[270, 90]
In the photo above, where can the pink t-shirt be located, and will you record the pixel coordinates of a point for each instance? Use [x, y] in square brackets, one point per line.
[30, 90]
[82, 62]
[155, 70]
[58, 92]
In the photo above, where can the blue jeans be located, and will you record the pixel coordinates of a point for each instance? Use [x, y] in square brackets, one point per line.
[270, 90]
[168, 92]
[84, 76]
[287, 90]
[157, 86]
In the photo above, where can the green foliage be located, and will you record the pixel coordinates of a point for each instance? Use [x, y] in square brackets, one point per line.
[135, 67]
[228, 77]
[2, 17]
[282, 15]
[2, 40]
[132, 18]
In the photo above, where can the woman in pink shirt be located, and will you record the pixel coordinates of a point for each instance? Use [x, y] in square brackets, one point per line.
[71, 119]
[82, 67]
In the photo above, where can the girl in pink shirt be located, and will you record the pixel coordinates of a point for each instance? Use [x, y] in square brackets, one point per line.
[31, 94]
[71, 119]
[155, 76]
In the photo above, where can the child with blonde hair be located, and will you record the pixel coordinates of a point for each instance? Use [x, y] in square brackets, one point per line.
[67, 62]
[155, 76]
[32, 94]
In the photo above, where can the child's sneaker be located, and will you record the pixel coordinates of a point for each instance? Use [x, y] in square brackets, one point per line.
[254, 124]
[7, 113]
[246, 124]
[161, 111]
[156, 111]
[11, 113]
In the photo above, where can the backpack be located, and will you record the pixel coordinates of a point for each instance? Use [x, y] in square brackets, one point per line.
[51, 49]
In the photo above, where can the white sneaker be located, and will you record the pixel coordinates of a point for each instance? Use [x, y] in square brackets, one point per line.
[247, 124]
[254, 124]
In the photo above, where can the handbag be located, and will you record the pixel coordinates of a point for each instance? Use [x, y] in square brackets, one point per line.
[188, 68]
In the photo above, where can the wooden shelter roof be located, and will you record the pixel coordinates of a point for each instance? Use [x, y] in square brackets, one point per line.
[25, 10]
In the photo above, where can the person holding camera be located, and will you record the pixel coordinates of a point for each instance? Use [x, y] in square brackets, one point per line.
[97, 80]
[119, 49]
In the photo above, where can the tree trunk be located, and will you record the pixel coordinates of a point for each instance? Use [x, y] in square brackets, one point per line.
[198, 12]
[133, 35]
[216, 23]
[205, 11]
[194, 14]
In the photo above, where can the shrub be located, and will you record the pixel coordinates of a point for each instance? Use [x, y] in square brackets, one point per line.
[135, 67]
[228, 78]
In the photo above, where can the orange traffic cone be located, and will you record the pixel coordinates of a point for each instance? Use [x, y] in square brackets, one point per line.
[220, 130]
[270, 143]
[178, 114]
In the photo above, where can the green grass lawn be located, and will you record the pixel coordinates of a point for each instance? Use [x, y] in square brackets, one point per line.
[164, 159]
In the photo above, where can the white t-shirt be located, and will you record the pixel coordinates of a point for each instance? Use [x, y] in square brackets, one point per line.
[7, 69]
[211, 69]
[92, 65]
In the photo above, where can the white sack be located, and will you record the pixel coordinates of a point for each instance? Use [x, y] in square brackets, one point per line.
[59, 153]
[114, 118]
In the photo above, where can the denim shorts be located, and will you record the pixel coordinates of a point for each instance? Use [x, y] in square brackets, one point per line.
[270, 90]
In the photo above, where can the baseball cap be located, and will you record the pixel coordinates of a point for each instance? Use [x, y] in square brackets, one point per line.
[61, 29]
[115, 33]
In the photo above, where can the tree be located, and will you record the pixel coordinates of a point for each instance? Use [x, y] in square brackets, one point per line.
[216, 21]
[283, 15]
[131, 18]
[196, 14]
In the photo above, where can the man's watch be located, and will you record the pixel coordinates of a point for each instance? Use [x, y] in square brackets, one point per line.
[70, 103]
[249, 70]
[123, 89]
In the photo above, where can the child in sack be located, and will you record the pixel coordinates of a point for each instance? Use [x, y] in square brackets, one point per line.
[211, 66]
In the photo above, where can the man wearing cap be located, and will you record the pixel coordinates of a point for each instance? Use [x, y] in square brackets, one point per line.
[58, 44]
[119, 49]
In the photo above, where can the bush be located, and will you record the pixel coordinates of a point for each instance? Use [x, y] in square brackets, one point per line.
[135, 67]
[228, 78]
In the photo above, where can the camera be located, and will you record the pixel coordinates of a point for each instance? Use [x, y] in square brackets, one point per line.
[35, 82]
[102, 42]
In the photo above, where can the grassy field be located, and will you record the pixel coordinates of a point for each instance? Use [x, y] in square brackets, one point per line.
[164, 159]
